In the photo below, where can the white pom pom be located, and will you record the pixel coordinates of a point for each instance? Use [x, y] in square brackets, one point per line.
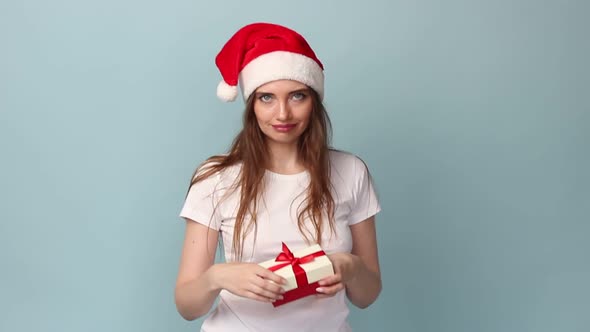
[226, 92]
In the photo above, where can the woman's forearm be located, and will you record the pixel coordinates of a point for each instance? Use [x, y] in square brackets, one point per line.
[364, 288]
[194, 298]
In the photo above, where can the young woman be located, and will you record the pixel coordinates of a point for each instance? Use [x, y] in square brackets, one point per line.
[279, 182]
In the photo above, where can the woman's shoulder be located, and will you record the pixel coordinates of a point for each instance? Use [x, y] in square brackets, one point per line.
[344, 159]
[346, 164]
[212, 170]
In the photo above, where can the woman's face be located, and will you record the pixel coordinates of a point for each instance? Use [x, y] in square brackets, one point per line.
[283, 109]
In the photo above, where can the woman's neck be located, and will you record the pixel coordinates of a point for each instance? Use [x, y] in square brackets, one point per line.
[284, 159]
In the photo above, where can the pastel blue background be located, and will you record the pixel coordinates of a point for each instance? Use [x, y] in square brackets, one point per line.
[474, 117]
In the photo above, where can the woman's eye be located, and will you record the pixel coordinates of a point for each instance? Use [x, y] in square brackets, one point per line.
[265, 98]
[299, 96]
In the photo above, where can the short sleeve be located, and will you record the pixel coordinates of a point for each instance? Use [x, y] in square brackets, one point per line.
[201, 202]
[365, 200]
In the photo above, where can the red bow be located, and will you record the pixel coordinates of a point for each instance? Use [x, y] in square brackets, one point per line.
[303, 286]
[287, 256]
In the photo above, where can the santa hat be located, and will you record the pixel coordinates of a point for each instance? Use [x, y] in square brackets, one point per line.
[262, 52]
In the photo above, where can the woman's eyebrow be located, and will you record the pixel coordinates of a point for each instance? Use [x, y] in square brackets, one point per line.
[290, 92]
[299, 91]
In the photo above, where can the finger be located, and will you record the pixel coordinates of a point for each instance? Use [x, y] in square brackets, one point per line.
[330, 290]
[273, 287]
[254, 296]
[267, 274]
[267, 285]
[330, 280]
[262, 291]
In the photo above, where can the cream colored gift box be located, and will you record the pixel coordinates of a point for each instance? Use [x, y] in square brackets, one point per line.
[315, 270]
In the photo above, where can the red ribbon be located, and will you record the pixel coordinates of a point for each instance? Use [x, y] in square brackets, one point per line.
[287, 258]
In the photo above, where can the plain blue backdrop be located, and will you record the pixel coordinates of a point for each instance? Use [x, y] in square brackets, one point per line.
[473, 116]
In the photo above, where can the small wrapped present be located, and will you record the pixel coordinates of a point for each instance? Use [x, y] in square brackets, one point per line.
[302, 269]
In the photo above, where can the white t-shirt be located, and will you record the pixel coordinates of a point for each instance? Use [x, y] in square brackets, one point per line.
[355, 200]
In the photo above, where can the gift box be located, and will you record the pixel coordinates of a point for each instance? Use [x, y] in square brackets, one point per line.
[302, 269]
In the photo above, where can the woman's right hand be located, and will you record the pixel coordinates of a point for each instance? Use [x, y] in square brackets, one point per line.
[248, 280]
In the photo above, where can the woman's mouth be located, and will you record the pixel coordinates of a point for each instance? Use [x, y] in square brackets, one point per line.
[283, 128]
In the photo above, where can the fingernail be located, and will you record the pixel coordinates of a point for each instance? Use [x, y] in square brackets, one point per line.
[280, 297]
[319, 290]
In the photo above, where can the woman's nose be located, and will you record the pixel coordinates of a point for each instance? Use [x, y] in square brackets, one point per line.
[284, 111]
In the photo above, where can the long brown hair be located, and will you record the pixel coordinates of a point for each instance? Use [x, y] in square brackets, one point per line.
[249, 149]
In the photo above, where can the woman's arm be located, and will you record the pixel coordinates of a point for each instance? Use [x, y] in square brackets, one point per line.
[357, 272]
[195, 292]
[200, 280]
[365, 286]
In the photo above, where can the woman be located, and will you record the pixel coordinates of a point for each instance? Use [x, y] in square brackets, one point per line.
[280, 182]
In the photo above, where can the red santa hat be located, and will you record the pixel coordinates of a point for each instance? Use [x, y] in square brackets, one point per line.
[262, 52]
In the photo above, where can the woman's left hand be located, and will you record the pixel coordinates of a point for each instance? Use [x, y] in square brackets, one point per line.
[345, 269]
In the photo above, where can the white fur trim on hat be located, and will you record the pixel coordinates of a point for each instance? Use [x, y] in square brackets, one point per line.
[227, 92]
[280, 65]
